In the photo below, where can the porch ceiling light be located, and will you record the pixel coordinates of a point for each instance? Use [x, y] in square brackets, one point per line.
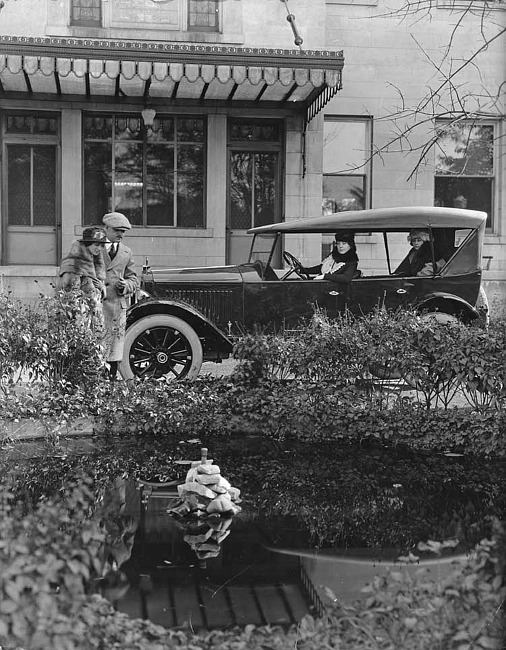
[148, 115]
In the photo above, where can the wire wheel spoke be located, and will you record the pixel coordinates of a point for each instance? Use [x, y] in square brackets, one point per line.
[161, 351]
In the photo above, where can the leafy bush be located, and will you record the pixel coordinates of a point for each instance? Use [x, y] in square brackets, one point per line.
[50, 342]
[49, 558]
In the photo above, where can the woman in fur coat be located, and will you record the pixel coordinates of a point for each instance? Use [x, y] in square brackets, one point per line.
[84, 268]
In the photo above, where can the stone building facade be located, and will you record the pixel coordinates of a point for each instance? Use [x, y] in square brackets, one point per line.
[201, 118]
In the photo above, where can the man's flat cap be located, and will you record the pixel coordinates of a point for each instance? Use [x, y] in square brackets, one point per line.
[116, 220]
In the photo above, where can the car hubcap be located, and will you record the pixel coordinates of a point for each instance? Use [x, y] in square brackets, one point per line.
[162, 358]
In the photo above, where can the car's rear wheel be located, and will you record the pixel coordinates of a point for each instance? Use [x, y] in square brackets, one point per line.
[161, 345]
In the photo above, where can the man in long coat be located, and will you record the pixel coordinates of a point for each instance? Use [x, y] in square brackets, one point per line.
[121, 283]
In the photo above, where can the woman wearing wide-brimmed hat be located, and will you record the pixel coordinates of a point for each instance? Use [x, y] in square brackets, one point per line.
[84, 267]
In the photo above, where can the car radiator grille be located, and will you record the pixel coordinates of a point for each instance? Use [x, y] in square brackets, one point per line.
[216, 305]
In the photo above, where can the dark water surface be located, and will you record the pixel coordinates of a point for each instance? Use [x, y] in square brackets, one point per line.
[262, 568]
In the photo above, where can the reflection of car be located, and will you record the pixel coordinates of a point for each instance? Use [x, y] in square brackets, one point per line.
[193, 315]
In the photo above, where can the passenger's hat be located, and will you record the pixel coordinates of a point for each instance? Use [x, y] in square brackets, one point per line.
[346, 236]
[116, 220]
[93, 235]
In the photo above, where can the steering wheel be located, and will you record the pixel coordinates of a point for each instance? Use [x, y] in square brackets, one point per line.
[295, 267]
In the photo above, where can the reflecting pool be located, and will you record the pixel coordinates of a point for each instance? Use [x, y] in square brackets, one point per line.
[223, 571]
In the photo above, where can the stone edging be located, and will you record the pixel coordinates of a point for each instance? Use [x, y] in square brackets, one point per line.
[31, 429]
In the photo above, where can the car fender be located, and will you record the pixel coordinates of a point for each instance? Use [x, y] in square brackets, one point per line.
[448, 303]
[213, 339]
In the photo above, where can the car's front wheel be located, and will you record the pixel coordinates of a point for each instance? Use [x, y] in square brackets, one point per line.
[161, 345]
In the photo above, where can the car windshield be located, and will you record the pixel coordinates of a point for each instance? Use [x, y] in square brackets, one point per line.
[262, 248]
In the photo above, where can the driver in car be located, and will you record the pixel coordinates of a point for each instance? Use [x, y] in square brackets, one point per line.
[341, 265]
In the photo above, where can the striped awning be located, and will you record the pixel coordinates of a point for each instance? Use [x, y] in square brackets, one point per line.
[146, 71]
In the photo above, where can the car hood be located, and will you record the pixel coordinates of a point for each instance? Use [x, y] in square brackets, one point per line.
[210, 274]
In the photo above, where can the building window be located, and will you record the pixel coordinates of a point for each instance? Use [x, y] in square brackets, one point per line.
[32, 199]
[86, 13]
[155, 175]
[346, 164]
[465, 175]
[203, 15]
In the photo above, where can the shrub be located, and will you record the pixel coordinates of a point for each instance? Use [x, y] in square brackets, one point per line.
[51, 342]
[47, 558]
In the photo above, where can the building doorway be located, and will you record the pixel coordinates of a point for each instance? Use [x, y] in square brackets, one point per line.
[254, 183]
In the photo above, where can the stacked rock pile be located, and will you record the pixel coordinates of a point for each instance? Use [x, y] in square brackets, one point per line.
[206, 492]
[206, 507]
[205, 536]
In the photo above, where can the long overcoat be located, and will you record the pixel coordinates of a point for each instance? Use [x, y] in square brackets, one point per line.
[115, 305]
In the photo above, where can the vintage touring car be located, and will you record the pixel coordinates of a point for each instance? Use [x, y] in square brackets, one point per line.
[191, 315]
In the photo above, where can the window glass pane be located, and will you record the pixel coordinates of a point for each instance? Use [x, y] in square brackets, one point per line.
[465, 167]
[254, 132]
[190, 130]
[128, 156]
[19, 165]
[26, 123]
[160, 199]
[265, 188]
[190, 159]
[86, 12]
[162, 129]
[128, 128]
[203, 14]
[97, 155]
[241, 190]
[466, 149]
[44, 185]
[98, 127]
[45, 125]
[128, 195]
[345, 147]
[461, 192]
[160, 157]
[346, 152]
[19, 124]
[97, 195]
[190, 201]
[342, 193]
[97, 180]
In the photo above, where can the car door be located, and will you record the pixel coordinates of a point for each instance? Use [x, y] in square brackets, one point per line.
[274, 305]
[391, 292]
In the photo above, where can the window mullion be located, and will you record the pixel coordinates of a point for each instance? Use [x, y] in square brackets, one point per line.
[176, 188]
[144, 178]
[32, 216]
[253, 215]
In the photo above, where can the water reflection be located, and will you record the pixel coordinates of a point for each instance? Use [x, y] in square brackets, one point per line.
[226, 571]
[207, 574]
